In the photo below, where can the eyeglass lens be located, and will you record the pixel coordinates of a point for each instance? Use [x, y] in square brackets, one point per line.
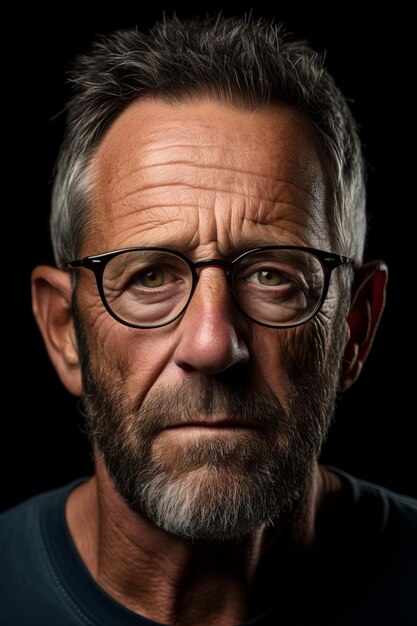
[275, 287]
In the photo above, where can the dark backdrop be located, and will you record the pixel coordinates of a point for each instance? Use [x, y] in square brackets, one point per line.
[42, 443]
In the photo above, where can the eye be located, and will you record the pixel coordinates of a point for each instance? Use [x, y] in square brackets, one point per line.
[269, 278]
[152, 277]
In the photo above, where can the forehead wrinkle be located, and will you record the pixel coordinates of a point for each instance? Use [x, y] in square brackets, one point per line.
[150, 159]
[155, 224]
[122, 235]
[276, 213]
[265, 215]
[185, 164]
[259, 212]
[285, 229]
[187, 185]
[208, 166]
[224, 238]
[266, 208]
[149, 127]
[219, 220]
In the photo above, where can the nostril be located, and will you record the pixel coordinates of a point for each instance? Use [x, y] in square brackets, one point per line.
[187, 367]
[211, 349]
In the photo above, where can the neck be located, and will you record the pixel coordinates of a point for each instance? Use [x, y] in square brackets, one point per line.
[171, 580]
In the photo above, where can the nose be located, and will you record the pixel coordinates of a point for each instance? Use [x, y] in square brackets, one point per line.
[212, 335]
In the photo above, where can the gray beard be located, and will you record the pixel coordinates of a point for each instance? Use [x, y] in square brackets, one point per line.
[210, 488]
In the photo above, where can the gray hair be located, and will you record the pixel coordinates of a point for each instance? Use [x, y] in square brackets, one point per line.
[248, 62]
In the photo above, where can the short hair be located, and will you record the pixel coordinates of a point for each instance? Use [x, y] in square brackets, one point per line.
[247, 62]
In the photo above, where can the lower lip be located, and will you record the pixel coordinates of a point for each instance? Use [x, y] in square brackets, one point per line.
[210, 429]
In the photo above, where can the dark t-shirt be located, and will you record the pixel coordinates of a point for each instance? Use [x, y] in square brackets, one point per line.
[365, 572]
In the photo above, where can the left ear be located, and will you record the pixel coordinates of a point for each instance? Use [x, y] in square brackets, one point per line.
[363, 319]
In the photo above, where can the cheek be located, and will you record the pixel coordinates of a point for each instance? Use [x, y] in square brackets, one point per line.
[270, 358]
[282, 356]
[132, 358]
[307, 348]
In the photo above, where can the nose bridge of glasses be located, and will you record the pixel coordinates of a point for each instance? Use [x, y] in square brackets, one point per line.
[224, 265]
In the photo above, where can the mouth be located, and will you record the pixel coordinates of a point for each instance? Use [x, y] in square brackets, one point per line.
[210, 424]
[214, 425]
[217, 420]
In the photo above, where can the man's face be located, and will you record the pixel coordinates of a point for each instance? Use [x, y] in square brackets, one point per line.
[208, 426]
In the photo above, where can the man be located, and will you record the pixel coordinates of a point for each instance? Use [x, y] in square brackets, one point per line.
[209, 301]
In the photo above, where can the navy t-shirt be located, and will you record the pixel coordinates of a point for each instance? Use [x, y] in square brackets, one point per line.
[365, 572]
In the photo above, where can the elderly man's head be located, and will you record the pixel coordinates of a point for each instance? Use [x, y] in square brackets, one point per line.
[212, 174]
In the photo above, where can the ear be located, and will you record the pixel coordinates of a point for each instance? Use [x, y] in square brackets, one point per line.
[51, 301]
[363, 319]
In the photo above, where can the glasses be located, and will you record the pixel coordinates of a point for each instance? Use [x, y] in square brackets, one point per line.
[275, 286]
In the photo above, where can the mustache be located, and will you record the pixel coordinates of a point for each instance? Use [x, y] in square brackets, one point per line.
[194, 400]
[107, 407]
[120, 424]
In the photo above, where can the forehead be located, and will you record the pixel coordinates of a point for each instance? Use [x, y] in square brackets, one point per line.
[203, 171]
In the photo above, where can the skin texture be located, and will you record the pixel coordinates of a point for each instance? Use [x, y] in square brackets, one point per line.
[210, 181]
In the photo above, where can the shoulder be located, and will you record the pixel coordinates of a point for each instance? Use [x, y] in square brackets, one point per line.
[378, 516]
[19, 524]
[367, 561]
[380, 528]
[27, 581]
[394, 509]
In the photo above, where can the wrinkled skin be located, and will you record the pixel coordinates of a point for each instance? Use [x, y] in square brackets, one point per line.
[209, 181]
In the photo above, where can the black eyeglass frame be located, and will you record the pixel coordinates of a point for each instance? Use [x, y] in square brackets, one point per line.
[97, 264]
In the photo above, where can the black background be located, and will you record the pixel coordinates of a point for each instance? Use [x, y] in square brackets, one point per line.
[371, 60]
